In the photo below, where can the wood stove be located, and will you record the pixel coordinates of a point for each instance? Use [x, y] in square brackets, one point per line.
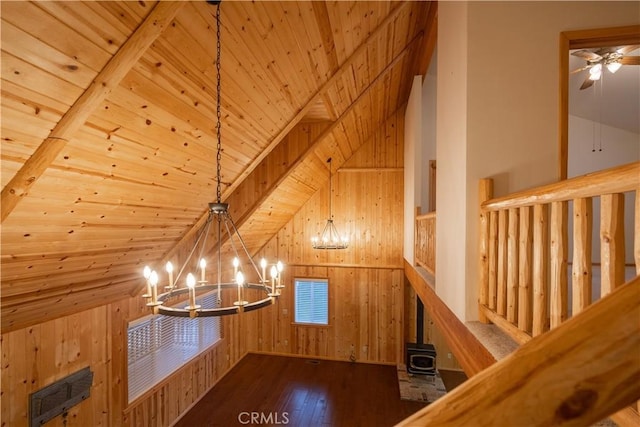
[421, 358]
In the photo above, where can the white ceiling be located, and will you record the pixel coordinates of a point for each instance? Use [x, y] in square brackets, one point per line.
[613, 101]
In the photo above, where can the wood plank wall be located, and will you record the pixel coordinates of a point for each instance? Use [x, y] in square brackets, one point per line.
[39, 355]
[366, 280]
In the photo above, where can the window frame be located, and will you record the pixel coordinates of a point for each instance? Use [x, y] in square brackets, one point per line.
[294, 301]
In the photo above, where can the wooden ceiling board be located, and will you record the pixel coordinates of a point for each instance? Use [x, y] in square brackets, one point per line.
[93, 25]
[19, 43]
[257, 44]
[42, 26]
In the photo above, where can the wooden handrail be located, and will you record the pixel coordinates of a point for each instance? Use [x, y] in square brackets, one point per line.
[575, 375]
[428, 215]
[614, 180]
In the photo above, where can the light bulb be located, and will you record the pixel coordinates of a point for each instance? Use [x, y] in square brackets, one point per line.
[595, 72]
[613, 66]
[274, 272]
[263, 263]
[153, 278]
[191, 280]
[279, 266]
[240, 278]
[146, 272]
[203, 263]
[169, 267]
[236, 262]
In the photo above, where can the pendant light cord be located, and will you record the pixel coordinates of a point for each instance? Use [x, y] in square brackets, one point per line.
[330, 214]
[218, 110]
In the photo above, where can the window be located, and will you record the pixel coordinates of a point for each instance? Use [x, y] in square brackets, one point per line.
[158, 345]
[312, 301]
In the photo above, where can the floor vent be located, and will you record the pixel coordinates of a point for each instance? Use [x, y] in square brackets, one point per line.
[57, 398]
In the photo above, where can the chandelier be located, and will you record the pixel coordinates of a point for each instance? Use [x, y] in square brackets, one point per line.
[330, 238]
[246, 274]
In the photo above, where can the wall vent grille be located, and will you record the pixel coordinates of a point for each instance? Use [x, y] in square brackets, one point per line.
[57, 398]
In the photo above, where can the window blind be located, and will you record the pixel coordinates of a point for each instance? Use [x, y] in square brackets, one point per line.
[312, 301]
[158, 345]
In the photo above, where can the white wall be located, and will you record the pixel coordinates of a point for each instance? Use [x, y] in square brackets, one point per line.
[451, 155]
[429, 108]
[618, 147]
[498, 109]
[412, 168]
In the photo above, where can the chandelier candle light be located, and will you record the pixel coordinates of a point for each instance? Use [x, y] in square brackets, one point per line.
[330, 238]
[242, 280]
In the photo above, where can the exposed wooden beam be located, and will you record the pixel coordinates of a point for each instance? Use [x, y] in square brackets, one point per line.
[108, 78]
[575, 375]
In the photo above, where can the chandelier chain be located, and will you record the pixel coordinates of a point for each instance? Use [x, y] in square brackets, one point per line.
[330, 213]
[218, 110]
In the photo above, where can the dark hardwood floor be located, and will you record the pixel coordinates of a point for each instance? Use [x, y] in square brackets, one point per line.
[279, 390]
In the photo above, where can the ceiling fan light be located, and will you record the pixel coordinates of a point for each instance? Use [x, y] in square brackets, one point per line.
[595, 72]
[613, 66]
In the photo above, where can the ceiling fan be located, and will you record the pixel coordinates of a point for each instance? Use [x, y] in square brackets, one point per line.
[610, 57]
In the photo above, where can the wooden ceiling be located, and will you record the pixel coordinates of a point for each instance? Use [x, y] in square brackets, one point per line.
[108, 127]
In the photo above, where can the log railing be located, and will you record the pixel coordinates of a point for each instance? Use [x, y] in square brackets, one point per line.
[425, 244]
[524, 290]
[524, 245]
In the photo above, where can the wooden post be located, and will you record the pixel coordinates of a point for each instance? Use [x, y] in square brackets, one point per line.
[512, 266]
[612, 251]
[540, 269]
[485, 192]
[525, 250]
[558, 293]
[493, 259]
[432, 186]
[416, 236]
[501, 305]
[581, 269]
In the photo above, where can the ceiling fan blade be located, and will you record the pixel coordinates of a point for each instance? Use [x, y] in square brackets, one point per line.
[629, 48]
[587, 83]
[629, 60]
[577, 70]
[586, 54]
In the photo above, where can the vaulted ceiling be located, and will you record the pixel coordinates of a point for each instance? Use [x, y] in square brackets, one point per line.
[109, 136]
